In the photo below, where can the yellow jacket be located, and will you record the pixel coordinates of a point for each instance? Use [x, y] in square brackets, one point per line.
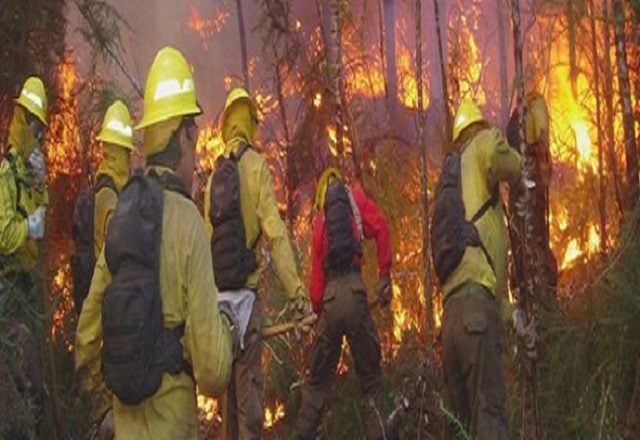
[486, 160]
[189, 295]
[22, 252]
[115, 165]
[260, 213]
[536, 118]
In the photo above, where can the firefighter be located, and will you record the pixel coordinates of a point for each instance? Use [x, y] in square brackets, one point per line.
[240, 207]
[473, 281]
[201, 336]
[538, 162]
[23, 201]
[116, 136]
[345, 217]
[96, 204]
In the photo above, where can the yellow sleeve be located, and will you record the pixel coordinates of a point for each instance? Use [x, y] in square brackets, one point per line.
[502, 162]
[206, 339]
[105, 205]
[537, 120]
[207, 206]
[274, 229]
[88, 351]
[14, 229]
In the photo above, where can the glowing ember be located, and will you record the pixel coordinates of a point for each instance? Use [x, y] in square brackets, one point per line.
[272, 416]
[210, 408]
[317, 100]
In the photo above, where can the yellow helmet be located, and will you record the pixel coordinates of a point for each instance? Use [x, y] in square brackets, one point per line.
[236, 95]
[34, 99]
[170, 90]
[323, 183]
[116, 126]
[468, 113]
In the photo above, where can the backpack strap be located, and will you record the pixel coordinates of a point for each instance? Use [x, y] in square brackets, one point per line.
[105, 181]
[240, 151]
[490, 203]
[18, 180]
[170, 182]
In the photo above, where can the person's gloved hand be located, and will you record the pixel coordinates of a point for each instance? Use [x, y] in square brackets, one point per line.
[384, 291]
[526, 332]
[105, 429]
[231, 321]
[36, 223]
[38, 166]
[300, 308]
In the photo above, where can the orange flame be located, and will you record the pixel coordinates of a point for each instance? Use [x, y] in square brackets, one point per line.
[206, 28]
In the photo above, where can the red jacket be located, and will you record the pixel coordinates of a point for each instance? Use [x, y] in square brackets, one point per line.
[374, 225]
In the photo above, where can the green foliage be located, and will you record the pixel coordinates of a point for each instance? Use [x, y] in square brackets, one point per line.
[590, 352]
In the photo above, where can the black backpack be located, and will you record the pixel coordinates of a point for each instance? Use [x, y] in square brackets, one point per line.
[338, 222]
[83, 260]
[137, 349]
[233, 262]
[451, 233]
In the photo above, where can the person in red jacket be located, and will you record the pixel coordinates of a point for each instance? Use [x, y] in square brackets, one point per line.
[345, 217]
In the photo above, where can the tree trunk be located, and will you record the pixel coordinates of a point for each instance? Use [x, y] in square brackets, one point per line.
[443, 70]
[635, 5]
[531, 274]
[243, 46]
[571, 28]
[390, 52]
[602, 201]
[335, 73]
[628, 122]
[608, 93]
[504, 80]
[426, 248]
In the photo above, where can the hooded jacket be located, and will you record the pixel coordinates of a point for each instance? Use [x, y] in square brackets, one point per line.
[486, 160]
[258, 202]
[115, 164]
[189, 296]
[19, 197]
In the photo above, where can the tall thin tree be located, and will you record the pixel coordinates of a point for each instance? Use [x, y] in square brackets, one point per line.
[531, 274]
[602, 201]
[390, 56]
[443, 70]
[426, 249]
[609, 113]
[502, 54]
[243, 45]
[335, 73]
[628, 123]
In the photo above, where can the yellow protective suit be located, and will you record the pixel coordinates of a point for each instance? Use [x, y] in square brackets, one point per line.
[536, 118]
[189, 295]
[258, 202]
[115, 164]
[486, 160]
[20, 252]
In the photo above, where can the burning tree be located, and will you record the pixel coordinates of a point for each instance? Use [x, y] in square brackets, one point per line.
[343, 83]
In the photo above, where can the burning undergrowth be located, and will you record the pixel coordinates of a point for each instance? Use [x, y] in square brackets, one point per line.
[298, 139]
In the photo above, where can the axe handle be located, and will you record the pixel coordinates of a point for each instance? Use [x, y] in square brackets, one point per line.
[269, 331]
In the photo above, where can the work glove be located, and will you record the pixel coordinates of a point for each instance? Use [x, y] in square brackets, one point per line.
[526, 332]
[300, 308]
[36, 223]
[231, 321]
[105, 429]
[38, 166]
[384, 291]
